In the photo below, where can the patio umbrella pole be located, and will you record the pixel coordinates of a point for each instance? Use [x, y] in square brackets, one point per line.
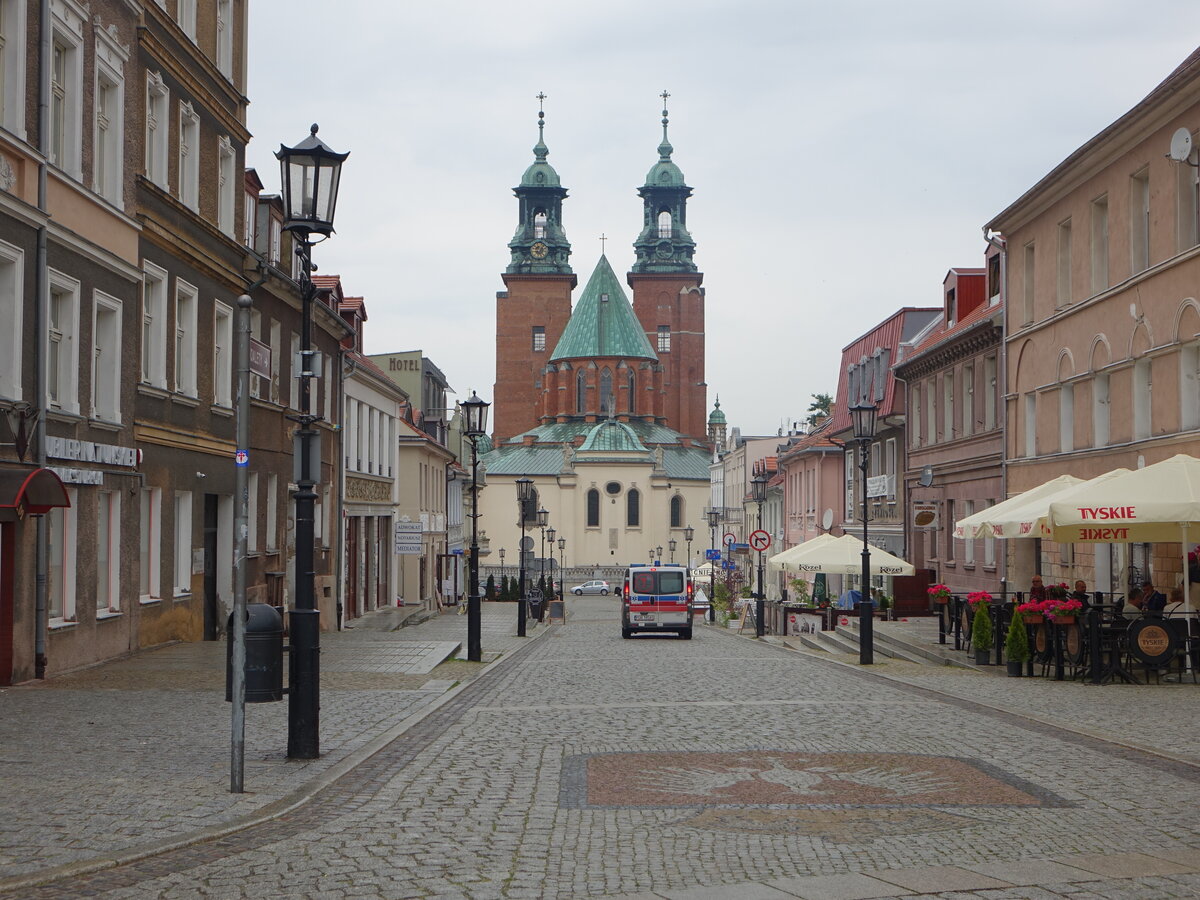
[1187, 594]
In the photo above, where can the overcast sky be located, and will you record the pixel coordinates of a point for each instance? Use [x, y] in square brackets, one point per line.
[843, 154]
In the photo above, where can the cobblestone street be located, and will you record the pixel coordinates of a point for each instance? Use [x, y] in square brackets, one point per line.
[586, 765]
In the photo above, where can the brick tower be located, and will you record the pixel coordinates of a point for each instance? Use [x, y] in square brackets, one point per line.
[667, 296]
[532, 313]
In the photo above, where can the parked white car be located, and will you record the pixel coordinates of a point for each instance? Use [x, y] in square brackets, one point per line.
[591, 587]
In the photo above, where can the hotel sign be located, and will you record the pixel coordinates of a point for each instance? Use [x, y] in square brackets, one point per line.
[87, 451]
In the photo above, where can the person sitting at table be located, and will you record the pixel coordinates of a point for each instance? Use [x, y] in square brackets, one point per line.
[1133, 603]
[1081, 594]
[1153, 600]
[1174, 600]
[1037, 590]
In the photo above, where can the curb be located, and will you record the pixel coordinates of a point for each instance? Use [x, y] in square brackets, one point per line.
[273, 810]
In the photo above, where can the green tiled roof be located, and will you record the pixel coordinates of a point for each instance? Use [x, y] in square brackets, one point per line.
[613, 435]
[603, 323]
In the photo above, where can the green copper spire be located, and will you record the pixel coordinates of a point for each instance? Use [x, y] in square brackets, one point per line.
[540, 244]
[716, 417]
[603, 323]
[664, 244]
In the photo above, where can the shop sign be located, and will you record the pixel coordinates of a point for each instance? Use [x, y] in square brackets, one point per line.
[90, 452]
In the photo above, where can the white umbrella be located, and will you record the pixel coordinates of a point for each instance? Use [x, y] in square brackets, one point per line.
[783, 559]
[843, 556]
[1028, 519]
[979, 524]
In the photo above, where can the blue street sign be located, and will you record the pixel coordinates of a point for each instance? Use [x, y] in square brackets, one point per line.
[712, 554]
[457, 551]
[728, 564]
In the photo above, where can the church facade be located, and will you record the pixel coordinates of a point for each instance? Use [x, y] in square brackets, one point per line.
[602, 405]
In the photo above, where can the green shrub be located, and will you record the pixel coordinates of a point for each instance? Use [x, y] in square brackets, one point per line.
[981, 628]
[1016, 642]
[490, 590]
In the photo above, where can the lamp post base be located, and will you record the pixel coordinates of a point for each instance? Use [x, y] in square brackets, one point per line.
[304, 692]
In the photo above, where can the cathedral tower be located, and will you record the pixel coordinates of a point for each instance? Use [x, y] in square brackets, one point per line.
[532, 313]
[667, 296]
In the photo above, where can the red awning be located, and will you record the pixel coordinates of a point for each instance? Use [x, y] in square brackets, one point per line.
[28, 491]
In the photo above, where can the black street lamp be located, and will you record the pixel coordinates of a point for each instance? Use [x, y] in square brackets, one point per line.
[759, 495]
[502, 573]
[310, 173]
[524, 498]
[562, 578]
[714, 519]
[862, 415]
[543, 516]
[688, 534]
[671, 545]
[475, 415]
[658, 555]
[550, 533]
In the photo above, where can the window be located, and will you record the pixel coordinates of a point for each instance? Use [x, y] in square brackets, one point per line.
[252, 513]
[1028, 284]
[993, 279]
[109, 139]
[189, 157]
[1186, 188]
[915, 431]
[664, 338]
[225, 37]
[930, 412]
[539, 338]
[63, 362]
[12, 293]
[226, 184]
[968, 410]
[1100, 244]
[185, 338]
[1189, 387]
[606, 398]
[158, 102]
[632, 394]
[62, 533]
[633, 511]
[66, 89]
[948, 406]
[1100, 410]
[327, 388]
[968, 545]
[989, 392]
[949, 557]
[1064, 264]
[106, 358]
[664, 224]
[677, 511]
[1141, 399]
[580, 392]
[1139, 222]
[150, 536]
[274, 240]
[183, 543]
[989, 545]
[12, 66]
[593, 508]
[276, 346]
[539, 225]
[249, 205]
[186, 15]
[271, 522]
[222, 354]
[1031, 424]
[1066, 418]
[108, 552]
[951, 308]
[154, 325]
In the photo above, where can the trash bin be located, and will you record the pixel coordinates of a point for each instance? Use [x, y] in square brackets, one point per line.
[264, 655]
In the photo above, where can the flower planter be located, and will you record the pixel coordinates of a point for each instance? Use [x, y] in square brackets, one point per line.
[1015, 669]
[1064, 620]
[1031, 619]
[983, 657]
[942, 600]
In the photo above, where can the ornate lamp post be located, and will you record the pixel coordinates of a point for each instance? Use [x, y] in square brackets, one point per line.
[562, 578]
[863, 417]
[688, 534]
[550, 533]
[475, 415]
[671, 545]
[714, 519]
[310, 174]
[543, 515]
[658, 555]
[524, 498]
[759, 495]
[501, 562]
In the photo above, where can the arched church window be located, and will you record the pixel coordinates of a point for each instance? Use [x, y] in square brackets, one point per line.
[664, 224]
[677, 511]
[580, 392]
[593, 508]
[539, 225]
[606, 387]
[633, 509]
[529, 509]
[632, 395]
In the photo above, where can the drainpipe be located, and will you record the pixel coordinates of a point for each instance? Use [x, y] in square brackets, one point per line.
[998, 241]
[40, 318]
[347, 367]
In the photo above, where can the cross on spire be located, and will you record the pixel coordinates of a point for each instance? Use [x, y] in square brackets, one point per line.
[665, 142]
[602, 240]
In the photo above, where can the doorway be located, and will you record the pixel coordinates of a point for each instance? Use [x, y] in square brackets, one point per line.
[211, 627]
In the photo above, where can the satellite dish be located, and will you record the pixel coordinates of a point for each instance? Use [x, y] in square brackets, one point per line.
[926, 478]
[827, 519]
[1181, 145]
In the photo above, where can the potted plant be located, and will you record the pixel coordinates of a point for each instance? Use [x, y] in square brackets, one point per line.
[800, 591]
[940, 593]
[1063, 610]
[1033, 612]
[1058, 591]
[1016, 645]
[981, 626]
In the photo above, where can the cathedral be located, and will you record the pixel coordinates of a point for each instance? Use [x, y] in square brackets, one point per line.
[601, 405]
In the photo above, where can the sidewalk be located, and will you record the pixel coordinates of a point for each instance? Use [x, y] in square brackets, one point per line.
[131, 756]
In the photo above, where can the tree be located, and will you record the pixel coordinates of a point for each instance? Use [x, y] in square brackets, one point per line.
[490, 590]
[819, 408]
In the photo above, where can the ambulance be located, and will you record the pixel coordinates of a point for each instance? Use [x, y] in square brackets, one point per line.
[657, 598]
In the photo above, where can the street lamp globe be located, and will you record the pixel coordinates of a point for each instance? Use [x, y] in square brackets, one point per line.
[714, 517]
[758, 488]
[862, 417]
[550, 533]
[475, 416]
[689, 533]
[543, 516]
[310, 174]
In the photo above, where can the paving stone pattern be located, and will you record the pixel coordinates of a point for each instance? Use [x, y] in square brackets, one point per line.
[482, 797]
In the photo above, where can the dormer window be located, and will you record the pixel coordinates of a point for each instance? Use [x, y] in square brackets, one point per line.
[664, 224]
[951, 308]
[539, 226]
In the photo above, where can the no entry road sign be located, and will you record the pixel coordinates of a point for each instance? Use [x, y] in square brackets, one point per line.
[760, 541]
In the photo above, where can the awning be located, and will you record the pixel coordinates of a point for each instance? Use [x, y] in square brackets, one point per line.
[29, 491]
[981, 524]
